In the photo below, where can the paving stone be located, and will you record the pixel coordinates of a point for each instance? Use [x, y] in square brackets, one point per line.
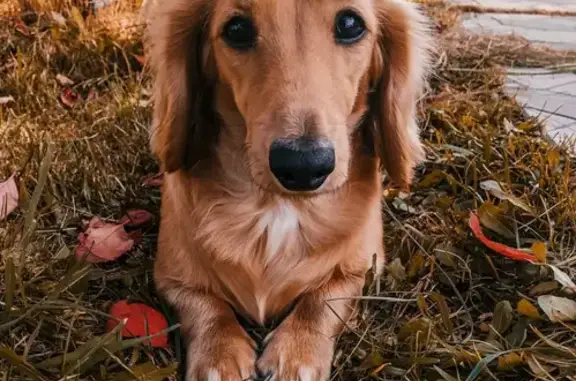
[548, 96]
[557, 32]
[525, 5]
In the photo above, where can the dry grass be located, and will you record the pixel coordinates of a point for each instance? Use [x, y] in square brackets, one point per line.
[447, 307]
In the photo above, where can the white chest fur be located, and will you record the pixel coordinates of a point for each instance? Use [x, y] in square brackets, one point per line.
[279, 223]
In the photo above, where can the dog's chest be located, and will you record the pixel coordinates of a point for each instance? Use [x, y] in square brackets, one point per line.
[276, 226]
[270, 260]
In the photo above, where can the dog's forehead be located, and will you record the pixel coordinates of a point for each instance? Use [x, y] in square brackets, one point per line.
[286, 11]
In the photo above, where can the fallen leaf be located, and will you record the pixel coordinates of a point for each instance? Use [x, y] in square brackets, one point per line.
[503, 316]
[496, 190]
[525, 126]
[141, 59]
[432, 179]
[8, 196]
[443, 374]
[563, 278]
[61, 20]
[544, 288]
[136, 217]
[509, 361]
[102, 242]
[69, 98]
[557, 308]
[506, 251]
[540, 251]
[491, 216]
[518, 334]
[146, 372]
[539, 369]
[136, 236]
[153, 181]
[141, 321]
[7, 99]
[417, 265]
[553, 158]
[528, 309]
[444, 252]
[63, 253]
[401, 205]
[63, 80]
[484, 327]
[91, 95]
[396, 270]
[508, 126]
[22, 28]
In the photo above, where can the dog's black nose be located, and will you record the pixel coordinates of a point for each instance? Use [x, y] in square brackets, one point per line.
[302, 164]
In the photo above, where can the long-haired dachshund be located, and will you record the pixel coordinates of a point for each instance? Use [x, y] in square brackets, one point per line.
[273, 120]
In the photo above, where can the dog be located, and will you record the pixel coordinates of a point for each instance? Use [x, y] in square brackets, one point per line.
[273, 123]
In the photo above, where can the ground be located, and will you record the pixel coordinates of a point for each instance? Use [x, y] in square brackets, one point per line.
[74, 123]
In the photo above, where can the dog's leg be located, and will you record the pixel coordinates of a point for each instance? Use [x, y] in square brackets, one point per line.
[218, 347]
[302, 347]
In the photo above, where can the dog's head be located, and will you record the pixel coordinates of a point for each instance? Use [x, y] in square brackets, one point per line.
[294, 81]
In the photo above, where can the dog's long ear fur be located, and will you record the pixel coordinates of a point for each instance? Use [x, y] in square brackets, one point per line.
[400, 65]
[184, 127]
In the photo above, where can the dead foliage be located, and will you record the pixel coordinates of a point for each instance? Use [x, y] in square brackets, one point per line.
[74, 131]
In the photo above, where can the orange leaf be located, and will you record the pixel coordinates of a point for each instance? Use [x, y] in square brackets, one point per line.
[509, 361]
[8, 196]
[142, 320]
[102, 242]
[539, 250]
[527, 309]
[141, 59]
[506, 251]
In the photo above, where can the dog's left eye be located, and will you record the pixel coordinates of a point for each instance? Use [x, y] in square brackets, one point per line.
[240, 33]
[349, 27]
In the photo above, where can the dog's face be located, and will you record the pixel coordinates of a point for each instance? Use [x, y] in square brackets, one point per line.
[292, 79]
[294, 70]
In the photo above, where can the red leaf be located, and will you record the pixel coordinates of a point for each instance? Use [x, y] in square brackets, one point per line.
[153, 181]
[136, 217]
[141, 59]
[69, 98]
[91, 95]
[136, 236]
[22, 28]
[8, 196]
[102, 242]
[142, 321]
[506, 251]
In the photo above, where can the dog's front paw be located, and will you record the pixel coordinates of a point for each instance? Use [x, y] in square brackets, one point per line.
[225, 355]
[291, 354]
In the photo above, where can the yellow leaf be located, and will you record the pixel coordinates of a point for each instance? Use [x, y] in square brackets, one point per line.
[78, 19]
[492, 217]
[539, 250]
[467, 121]
[509, 361]
[553, 158]
[432, 179]
[525, 126]
[528, 309]
[417, 265]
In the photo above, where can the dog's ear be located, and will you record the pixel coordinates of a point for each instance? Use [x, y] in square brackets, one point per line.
[400, 63]
[184, 127]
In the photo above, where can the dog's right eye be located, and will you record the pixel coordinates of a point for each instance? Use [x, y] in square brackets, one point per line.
[240, 33]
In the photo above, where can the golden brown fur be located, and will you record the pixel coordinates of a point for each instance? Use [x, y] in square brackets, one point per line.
[231, 238]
